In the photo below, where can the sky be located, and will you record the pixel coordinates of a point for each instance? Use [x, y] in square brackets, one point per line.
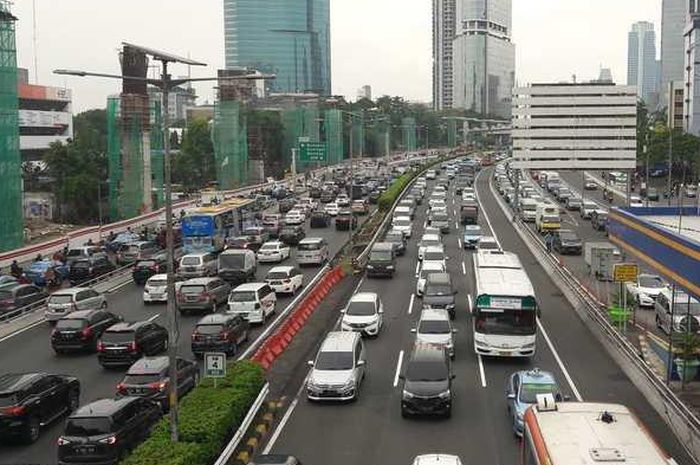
[383, 43]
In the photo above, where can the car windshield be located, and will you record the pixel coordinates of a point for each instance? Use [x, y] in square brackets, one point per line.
[145, 264]
[145, 378]
[530, 391]
[568, 236]
[60, 299]
[70, 324]
[402, 223]
[434, 327]
[309, 246]
[439, 217]
[472, 231]
[191, 261]
[84, 427]
[550, 218]
[654, 282]
[432, 255]
[380, 256]
[159, 282]
[118, 337]
[361, 309]
[438, 290]
[242, 296]
[192, 289]
[334, 361]
[231, 261]
[426, 371]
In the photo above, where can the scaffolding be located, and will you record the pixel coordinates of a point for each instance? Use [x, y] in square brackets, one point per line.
[230, 139]
[114, 163]
[357, 133]
[333, 128]
[11, 224]
[300, 123]
[452, 133]
[408, 129]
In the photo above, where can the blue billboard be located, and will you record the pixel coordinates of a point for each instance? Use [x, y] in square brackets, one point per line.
[198, 225]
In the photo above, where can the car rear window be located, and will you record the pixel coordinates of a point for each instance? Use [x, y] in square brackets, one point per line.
[192, 289]
[141, 378]
[191, 261]
[277, 275]
[309, 246]
[71, 323]
[146, 264]
[157, 282]
[210, 329]
[60, 299]
[243, 296]
[118, 337]
[94, 426]
[434, 327]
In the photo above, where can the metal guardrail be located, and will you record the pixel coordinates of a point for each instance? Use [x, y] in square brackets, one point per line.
[596, 311]
[230, 448]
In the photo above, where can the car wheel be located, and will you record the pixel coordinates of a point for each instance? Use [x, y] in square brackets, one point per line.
[404, 413]
[448, 413]
[32, 429]
[73, 401]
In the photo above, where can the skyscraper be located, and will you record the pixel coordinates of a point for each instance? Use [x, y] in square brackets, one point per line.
[484, 57]
[673, 20]
[641, 61]
[443, 36]
[691, 75]
[289, 38]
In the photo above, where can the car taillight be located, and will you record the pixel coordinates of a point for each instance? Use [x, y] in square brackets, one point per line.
[195, 336]
[132, 347]
[154, 269]
[111, 440]
[223, 336]
[62, 442]
[100, 346]
[15, 410]
[54, 332]
[86, 333]
[121, 387]
[159, 385]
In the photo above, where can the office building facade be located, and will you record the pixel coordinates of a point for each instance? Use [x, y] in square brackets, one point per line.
[288, 38]
[673, 20]
[484, 57]
[642, 69]
[691, 76]
[443, 38]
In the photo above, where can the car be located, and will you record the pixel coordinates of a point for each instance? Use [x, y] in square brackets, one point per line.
[345, 220]
[202, 294]
[286, 205]
[285, 279]
[312, 251]
[587, 209]
[691, 191]
[149, 377]
[382, 260]
[155, 289]
[219, 332]
[360, 207]
[397, 238]
[574, 203]
[292, 234]
[242, 243]
[646, 289]
[403, 224]
[64, 301]
[273, 251]
[78, 253]
[145, 269]
[522, 389]
[136, 251]
[271, 223]
[364, 314]
[652, 194]
[599, 220]
[439, 219]
[86, 269]
[428, 267]
[32, 401]
[590, 186]
[275, 459]
[488, 243]
[257, 236]
[472, 236]
[339, 369]
[327, 196]
[332, 209]
[435, 254]
[343, 200]
[373, 197]
[681, 316]
[320, 219]
[105, 430]
[567, 242]
[294, 217]
[439, 293]
[431, 174]
[437, 459]
[47, 273]
[255, 302]
[237, 266]
[124, 343]
[198, 265]
[81, 330]
[16, 296]
[434, 328]
[428, 240]
[635, 201]
[427, 382]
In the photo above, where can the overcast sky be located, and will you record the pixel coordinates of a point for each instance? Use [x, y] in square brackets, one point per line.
[384, 43]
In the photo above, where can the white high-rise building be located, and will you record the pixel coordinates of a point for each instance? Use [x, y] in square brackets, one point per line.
[691, 77]
[443, 38]
[484, 57]
[641, 61]
[673, 20]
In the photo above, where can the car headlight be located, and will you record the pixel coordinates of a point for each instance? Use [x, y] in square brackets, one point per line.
[520, 416]
[445, 395]
[370, 267]
[407, 395]
[390, 267]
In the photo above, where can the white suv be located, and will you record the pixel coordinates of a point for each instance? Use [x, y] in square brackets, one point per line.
[339, 368]
[435, 328]
[364, 314]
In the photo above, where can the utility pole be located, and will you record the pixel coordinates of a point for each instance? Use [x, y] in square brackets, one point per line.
[669, 185]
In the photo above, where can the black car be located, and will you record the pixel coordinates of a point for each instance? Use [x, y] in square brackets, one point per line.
[13, 297]
[320, 219]
[219, 332]
[345, 220]
[104, 431]
[149, 377]
[124, 343]
[286, 205]
[374, 197]
[382, 260]
[81, 330]
[291, 235]
[144, 269]
[427, 383]
[89, 268]
[315, 192]
[29, 401]
[327, 196]
[398, 239]
[567, 242]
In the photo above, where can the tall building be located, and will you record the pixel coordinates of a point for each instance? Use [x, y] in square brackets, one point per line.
[673, 20]
[180, 99]
[288, 38]
[364, 92]
[443, 38]
[641, 61]
[605, 76]
[484, 57]
[691, 76]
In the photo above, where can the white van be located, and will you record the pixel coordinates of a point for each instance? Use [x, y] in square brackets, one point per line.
[312, 251]
[64, 301]
[339, 368]
[252, 301]
[198, 265]
[528, 210]
[547, 218]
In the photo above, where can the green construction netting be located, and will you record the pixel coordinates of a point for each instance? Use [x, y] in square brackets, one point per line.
[333, 126]
[230, 138]
[299, 122]
[157, 161]
[357, 133]
[408, 129]
[452, 133]
[11, 221]
[114, 163]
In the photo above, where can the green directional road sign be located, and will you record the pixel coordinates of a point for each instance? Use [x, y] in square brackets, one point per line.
[312, 151]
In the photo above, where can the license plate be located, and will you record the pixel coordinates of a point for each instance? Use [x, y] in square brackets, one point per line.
[504, 354]
[276, 283]
[85, 450]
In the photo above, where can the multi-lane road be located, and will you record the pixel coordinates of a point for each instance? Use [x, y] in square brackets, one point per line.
[372, 429]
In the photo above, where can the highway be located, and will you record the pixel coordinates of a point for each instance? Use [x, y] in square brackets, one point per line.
[31, 350]
[372, 430]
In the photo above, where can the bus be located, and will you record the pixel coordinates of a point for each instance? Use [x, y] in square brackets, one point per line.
[206, 229]
[504, 315]
[587, 434]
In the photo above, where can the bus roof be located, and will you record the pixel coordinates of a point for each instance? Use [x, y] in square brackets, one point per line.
[575, 434]
[512, 282]
[225, 206]
[498, 259]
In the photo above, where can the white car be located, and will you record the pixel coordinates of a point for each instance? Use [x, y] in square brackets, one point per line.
[426, 241]
[431, 174]
[427, 268]
[435, 328]
[437, 203]
[403, 224]
[635, 201]
[285, 279]
[646, 289]
[437, 459]
[155, 289]
[435, 254]
[294, 217]
[273, 252]
[343, 200]
[364, 314]
[332, 209]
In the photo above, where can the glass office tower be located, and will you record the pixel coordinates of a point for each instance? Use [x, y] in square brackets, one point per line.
[289, 38]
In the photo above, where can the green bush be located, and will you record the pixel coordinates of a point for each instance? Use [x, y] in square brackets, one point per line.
[207, 416]
[387, 199]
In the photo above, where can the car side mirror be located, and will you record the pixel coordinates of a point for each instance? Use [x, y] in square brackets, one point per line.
[453, 376]
[567, 398]
[361, 363]
[511, 396]
[381, 311]
[310, 363]
[402, 377]
[413, 330]
[454, 292]
[455, 331]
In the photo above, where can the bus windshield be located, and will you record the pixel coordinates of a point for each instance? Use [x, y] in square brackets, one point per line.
[506, 322]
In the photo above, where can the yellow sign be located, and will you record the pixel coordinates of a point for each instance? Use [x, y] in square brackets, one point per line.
[625, 272]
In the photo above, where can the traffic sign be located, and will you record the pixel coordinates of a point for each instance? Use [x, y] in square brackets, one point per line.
[625, 272]
[214, 365]
[312, 151]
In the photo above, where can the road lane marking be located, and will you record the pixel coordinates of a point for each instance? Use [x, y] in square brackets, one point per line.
[154, 317]
[481, 371]
[425, 224]
[286, 417]
[410, 305]
[26, 328]
[417, 266]
[469, 301]
[559, 362]
[464, 269]
[398, 369]
[459, 241]
[457, 225]
[486, 216]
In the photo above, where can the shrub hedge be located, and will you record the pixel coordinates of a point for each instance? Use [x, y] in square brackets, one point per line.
[208, 416]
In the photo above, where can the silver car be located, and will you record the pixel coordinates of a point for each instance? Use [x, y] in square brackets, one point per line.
[65, 301]
[339, 368]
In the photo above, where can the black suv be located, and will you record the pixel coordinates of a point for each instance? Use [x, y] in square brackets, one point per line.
[291, 235]
[320, 219]
[144, 269]
[124, 343]
[427, 386]
[219, 333]
[81, 330]
[382, 260]
[86, 269]
[149, 377]
[104, 431]
[567, 242]
[29, 401]
[345, 220]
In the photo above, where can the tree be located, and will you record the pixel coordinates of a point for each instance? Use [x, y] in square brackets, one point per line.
[194, 166]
